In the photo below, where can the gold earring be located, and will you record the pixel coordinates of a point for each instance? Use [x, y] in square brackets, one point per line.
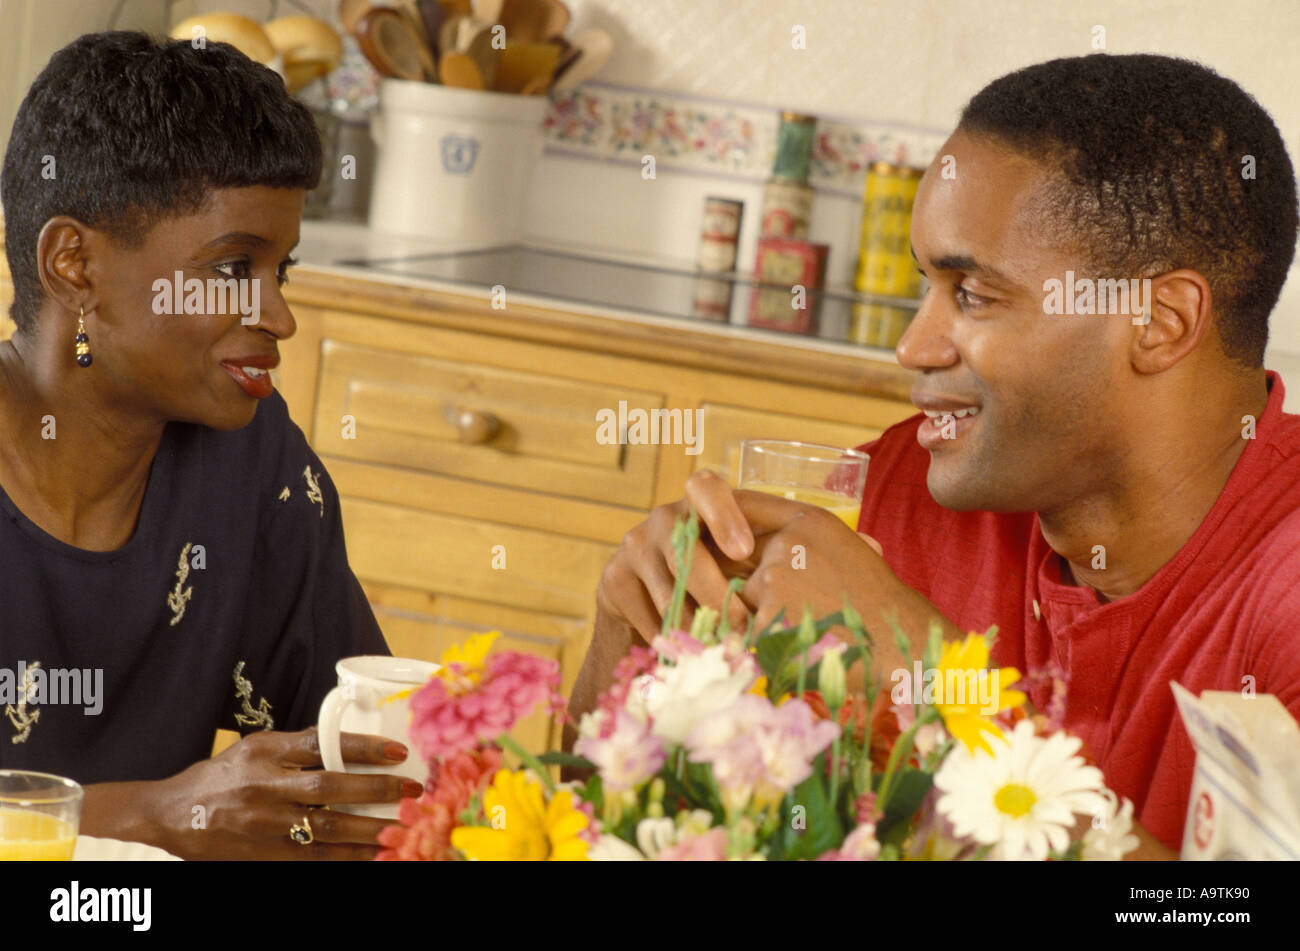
[84, 359]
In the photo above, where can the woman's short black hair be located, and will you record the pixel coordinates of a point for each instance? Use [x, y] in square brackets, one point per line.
[121, 130]
[1166, 164]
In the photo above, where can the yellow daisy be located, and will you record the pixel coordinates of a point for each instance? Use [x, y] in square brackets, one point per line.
[525, 828]
[468, 661]
[966, 714]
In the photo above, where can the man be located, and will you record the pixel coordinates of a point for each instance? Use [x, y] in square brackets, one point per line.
[1124, 501]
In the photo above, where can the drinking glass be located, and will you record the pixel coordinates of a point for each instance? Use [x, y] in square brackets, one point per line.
[39, 814]
[824, 476]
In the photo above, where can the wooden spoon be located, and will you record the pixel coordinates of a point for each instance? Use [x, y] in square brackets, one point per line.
[526, 21]
[387, 41]
[460, 70]
[351, 12]
[523, 63]
[588, 55]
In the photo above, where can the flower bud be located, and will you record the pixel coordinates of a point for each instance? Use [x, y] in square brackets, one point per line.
[807, 635]
[657, 789]
[702, 625]
[830, 680]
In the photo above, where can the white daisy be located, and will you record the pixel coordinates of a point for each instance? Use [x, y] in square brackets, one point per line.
[1110, 836]
[1022, 800]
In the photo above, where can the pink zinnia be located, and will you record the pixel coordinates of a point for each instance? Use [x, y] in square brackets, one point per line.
[424, 833]
[513, 685]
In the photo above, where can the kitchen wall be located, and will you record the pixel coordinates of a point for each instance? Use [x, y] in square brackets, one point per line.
[893, 68]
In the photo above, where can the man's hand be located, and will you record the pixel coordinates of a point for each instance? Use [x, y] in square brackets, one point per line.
[250, 797]
[742, 534]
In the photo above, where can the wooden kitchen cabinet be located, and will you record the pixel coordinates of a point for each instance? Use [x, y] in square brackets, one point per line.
[463, 443]
[426, 505]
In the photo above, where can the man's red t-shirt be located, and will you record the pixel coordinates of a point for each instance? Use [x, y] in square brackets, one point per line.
[1225, 608]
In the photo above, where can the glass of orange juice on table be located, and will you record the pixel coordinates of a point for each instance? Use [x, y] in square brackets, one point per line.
[824, 476]
[39, 814]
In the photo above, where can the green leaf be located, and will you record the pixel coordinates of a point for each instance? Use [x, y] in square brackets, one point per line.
[594, 792]
[557, 758]
[823, 829]
[909, 791]
[773, 651]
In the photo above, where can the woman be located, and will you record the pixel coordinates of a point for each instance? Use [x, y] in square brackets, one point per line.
[171, 549]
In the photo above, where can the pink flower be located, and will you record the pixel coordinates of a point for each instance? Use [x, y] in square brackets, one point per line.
[860, 846]
[638, 662]
[513, 686]
[827, 642]
[709, 847]
[424, 832]
[675, 645]
[626, 755]
[759, 750]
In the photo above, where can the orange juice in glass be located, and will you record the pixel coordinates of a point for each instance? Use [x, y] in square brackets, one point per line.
[824, 476]
[39, 814]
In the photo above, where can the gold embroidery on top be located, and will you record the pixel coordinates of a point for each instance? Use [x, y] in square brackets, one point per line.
[180, 595]
[20, 718]
[244, 693]
[284, 494]
[313, 490]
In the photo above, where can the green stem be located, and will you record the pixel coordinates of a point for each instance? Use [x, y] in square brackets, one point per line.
[901, 748]
[835, 768]
[528, 759]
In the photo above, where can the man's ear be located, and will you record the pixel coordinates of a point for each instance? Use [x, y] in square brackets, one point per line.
[62, 259]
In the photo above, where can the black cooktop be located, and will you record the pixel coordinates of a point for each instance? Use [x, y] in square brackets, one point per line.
[834, 314]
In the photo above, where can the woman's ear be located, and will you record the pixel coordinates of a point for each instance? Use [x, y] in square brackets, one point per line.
[63, 251]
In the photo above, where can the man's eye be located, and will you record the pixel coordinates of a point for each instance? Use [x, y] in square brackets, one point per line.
[966, 299]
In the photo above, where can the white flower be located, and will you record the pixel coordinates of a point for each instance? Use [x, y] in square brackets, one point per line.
[1110, 836]
[655, 835]
[697, 685]
[590, 723]
[1022, 799]
[610, 848]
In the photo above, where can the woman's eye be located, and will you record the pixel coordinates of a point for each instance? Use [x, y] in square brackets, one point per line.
[282, 275]
[233, 269]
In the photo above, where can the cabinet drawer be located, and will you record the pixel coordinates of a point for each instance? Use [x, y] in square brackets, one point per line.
[519, 567]
[726, 427]
[403, 409]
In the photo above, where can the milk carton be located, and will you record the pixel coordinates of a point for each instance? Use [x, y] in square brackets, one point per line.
[1245, 801]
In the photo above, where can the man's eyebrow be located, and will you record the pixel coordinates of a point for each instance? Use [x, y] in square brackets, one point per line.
[969, 265]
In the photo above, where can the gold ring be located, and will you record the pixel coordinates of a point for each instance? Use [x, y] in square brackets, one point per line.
[302, 834]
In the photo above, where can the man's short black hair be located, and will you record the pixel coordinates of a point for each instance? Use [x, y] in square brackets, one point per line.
[121, 130]
[1166, 164]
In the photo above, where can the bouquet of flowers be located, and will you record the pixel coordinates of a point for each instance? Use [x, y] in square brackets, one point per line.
[723, 744]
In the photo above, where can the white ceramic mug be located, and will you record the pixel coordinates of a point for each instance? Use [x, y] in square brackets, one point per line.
[360, 704]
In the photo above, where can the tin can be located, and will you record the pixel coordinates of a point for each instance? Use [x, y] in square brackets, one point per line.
[719, 236]
[879, 325]
[885, 264]
[787, 208]
[794, 147]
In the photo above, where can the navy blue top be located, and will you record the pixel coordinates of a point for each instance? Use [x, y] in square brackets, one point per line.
[237, 562]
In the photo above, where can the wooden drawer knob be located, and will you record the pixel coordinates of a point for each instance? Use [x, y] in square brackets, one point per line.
[474, 426]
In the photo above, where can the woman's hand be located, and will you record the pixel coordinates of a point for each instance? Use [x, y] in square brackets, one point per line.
[243, 803]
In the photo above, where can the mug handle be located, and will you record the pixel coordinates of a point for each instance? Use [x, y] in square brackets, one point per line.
[330, 720]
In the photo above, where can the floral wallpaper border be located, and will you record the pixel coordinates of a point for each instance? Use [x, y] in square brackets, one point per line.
[704, 135]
